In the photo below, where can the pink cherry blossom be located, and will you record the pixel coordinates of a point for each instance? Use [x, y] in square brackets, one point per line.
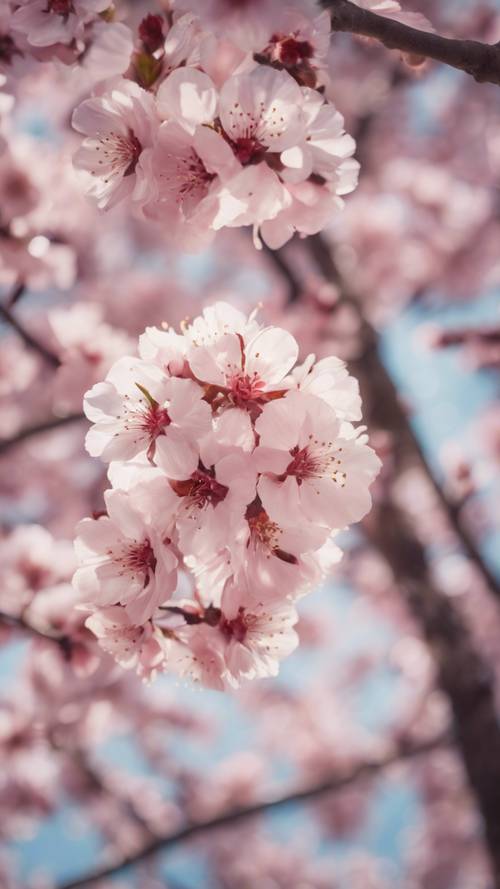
[132, 646]
[47, 22]
[243, 466]
[136, 405]
[318, 467]
[330, 380]
[246, 374]
[123, 560]
[246, 638]
[300, 43]
[218, 320]
[260, 113]
[88, 349]
[188, 171]
[234, 451]
[182, 44]
[327, 149]
[119, 128]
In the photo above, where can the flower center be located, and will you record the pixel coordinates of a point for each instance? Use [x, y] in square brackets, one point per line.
[201, 488]
[245, 388]
[151, 420]
[262, 529]
[151, 32]
[139, 558]
[248, 150]
[120, 152]
[290, 51]
[251, 134]
[155, 421]
[266, 533]
[316, 460]
[236, 628]
[186, 176]
[61, 7]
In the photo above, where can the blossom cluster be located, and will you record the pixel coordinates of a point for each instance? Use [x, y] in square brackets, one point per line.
[232, 468]
[202, 128]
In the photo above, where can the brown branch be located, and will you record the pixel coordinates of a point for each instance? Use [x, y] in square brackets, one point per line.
[77, 756]
[97, 785]
[335, 783]
[16, 293]
[322, 255]
[462, 673]
[480, 60]
[47, 426]
[28, 338]
[20, 623]
[283, 268]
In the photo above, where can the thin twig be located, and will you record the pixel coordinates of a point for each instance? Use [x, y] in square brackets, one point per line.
[16, 293]
[480, 60]
[28, 338]
[98, 786]
[292, 280]
[20, 623]
[337, 782]
[30, 431]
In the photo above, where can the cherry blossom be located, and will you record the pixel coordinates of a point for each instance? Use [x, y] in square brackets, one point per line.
[221, 456]
[88, 346]
[48, 22]
[124, 560]
[255, 149]
[243, 639]
[140, 647]
[247, 375]
[136, 405]
[242, 464]
[331, 467]
[119, 128]
[330, 380]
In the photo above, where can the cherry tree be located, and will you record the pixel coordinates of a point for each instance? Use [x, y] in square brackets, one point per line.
[212, 216]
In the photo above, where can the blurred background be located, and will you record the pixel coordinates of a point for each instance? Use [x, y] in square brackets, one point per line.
[386, 717]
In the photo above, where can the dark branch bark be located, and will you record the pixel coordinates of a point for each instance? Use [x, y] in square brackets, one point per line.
[16, 293]
[387, 416]
[283, 267]
[97, 785]
[462, 673]
[30, 431]
[20, 623]
[366, 770]
[31, 341]
[480, 60]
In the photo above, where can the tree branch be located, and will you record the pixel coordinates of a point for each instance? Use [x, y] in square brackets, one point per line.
[480, 60]
[463, 674]
[292, 280]
[31, 341]
[366, 770]
[38, 429]
[322, 255]
[20, 623]
[97, 785]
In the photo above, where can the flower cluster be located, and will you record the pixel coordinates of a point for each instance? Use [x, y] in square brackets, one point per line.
[204, 130]
[231, 469]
